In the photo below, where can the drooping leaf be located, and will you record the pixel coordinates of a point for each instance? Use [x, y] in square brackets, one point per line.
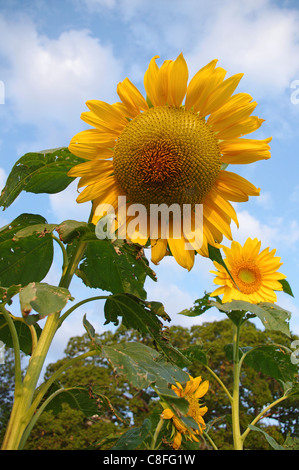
[43, 298]
[76, 397]
[23, 332]
[143, 366]
[39, 172]
[269, 439]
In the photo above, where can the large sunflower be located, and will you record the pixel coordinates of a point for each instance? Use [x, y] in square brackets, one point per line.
[254, 272]
[160, 151]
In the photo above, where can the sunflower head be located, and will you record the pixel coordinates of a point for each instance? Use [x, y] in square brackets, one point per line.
[171, 148]
[255, 273]
[194, 390]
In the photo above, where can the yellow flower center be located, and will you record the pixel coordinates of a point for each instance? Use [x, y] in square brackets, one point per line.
[166, 155]
[248, 277]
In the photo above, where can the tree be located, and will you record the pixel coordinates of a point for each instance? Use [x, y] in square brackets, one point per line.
[120, 406]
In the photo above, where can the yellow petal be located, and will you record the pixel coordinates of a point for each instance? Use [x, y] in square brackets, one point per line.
[150, 80]
[197, 86]
[158, 250]
[178, 78]
[131, 97]
[202, 389]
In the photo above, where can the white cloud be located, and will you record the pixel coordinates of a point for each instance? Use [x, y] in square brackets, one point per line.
[48, 80]
[277, 234]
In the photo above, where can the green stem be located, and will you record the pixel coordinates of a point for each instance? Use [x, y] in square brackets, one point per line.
[157, 431]
[33, 415]
[210, 440]
[16, 346]
[238, 442]
[19, 419]
[82, 302]
[220, 382]
[261, 414]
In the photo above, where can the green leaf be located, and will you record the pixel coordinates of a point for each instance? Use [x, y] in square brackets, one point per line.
[28, 258]
[286, 287]
[269, 439]
[25, 260]
[40, 172]
[131, 439]
[23, 332]
[113, 269]
[76, 397]
[215, 255]
[272, 361]
[200, 306]
[39, 229]
[143, 366]
[69, 230]
[142, 316]
[23, 221]
[272, 316]
[6, 293]
[44, 299]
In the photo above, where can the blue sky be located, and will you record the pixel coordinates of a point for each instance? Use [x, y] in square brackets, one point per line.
[56, 55]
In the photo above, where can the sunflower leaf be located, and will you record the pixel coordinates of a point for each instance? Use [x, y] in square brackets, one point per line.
[272, 316]
[286, 287]
[113, 268]
[39, 172]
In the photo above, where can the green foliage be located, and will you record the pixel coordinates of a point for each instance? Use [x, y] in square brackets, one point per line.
[42, 172]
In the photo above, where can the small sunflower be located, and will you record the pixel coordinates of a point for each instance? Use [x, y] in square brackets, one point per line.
[160, 150]
[254, 272]
[192, 392]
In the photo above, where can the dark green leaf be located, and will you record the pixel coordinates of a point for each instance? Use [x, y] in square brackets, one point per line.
[286, 287]
[71, 229]
[131, 439]
[215, 255]
[112, 269]
[41, 172]
[25, 260]
[23, 331]
[76, 397]
[43, 298]
[21, 222]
